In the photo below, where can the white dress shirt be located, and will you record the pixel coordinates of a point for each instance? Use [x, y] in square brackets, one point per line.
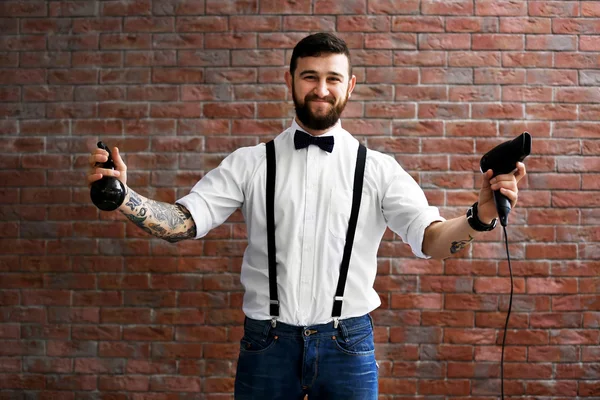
[313, 197]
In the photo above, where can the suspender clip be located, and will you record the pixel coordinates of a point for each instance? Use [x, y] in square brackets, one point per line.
[273, 322]
[336, 322]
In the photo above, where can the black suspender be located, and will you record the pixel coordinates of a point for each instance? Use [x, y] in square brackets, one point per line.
[271, 167]
[359, 172]
[270, 209]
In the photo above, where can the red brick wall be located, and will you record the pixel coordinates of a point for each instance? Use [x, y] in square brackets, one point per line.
[91, 308]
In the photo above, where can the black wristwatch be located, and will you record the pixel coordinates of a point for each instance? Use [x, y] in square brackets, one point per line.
[475, 222]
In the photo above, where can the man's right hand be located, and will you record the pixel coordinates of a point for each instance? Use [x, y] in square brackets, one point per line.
[101, 156]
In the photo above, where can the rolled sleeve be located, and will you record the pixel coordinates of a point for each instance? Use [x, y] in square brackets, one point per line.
[221, 191]
[416, 230]
[197, 206]
[406, 209]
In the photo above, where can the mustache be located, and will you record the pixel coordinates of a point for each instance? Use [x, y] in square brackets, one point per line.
[328, 99]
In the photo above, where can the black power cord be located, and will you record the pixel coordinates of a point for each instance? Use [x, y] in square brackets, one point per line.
[508, 313]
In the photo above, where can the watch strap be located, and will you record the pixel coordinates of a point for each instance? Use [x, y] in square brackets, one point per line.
[475, 222]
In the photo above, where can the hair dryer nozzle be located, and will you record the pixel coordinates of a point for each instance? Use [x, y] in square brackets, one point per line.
[503, 159]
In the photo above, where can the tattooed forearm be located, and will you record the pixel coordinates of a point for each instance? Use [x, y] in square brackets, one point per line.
[165, 221]
[461, 244]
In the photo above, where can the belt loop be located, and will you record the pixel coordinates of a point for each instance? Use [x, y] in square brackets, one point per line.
[266, 330]
[344, 330]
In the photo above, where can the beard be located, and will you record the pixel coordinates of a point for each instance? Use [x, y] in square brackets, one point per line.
[318, 122]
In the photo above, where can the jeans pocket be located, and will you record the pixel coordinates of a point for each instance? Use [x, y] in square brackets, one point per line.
[256, 342]
[358, 343]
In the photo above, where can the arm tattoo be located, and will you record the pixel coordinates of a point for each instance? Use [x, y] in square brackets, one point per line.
[165, 221]
[461, 244]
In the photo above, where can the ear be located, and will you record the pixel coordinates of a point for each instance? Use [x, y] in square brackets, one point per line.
[288, 80]
[351, 85]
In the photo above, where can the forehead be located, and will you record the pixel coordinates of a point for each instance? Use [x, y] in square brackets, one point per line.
[324, 64]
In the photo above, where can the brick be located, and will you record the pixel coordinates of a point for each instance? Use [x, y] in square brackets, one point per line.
[574, 336]
[527, 93]
[201, 334]
[130, 383]
[232, 110]
[189, 384]
[497, 42]
[124, 349]
[148, 333]
[423, 93]
[98, 366]
[147, 367]
[447, 76]
[371, 58]
[526, 25]
[178, 7]
[232, 7]
[590, 112]
[492, 353]
[575, 26]
[443, 111]
[176, 110]
[179, 316]
[527, 59]
[158, 58]
[425, 301]
[474, 59]
[474, 94]
[553, 354]
[24, 42]
[445, 41]
[455, 7]
[122, 41]
[205, 299]
[95, 332]
[177, 350]
[554, 8]
[304, 23]
[125, 315]
[552, 77]
[551, 111]
[72, 348]
[551, 42]
[498, 285]
[472, 24]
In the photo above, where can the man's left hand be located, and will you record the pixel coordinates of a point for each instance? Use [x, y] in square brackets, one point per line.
[507, 184]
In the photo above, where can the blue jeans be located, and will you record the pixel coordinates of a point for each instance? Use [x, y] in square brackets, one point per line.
[288, 362]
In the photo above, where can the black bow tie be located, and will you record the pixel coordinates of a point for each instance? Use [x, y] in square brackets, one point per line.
[303, 139]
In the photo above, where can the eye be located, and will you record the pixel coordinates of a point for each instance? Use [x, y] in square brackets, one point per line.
[310, 77]
[334, 79]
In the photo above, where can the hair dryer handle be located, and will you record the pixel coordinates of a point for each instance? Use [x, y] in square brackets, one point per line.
[502, 206]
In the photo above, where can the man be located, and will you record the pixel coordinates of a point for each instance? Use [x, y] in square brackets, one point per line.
[314, 223]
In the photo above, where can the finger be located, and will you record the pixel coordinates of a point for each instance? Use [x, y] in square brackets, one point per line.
[503, 178]
[97, 158]
[93, 178]
[521, 172]
[507, 184]
[485, 179]
[107, 172]
[512, 195]
[119, 163]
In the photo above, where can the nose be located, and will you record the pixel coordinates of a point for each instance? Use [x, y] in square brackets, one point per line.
[321, 89]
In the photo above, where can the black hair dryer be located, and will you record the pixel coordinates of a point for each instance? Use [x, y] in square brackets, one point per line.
[503, 159]
[108, 192]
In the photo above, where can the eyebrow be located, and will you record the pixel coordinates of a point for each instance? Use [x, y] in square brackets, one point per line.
[312, 71]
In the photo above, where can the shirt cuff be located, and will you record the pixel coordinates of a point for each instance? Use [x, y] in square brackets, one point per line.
[196, 205]
[416, 231]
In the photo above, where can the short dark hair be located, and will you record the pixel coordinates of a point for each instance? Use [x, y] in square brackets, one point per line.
[319, 44]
